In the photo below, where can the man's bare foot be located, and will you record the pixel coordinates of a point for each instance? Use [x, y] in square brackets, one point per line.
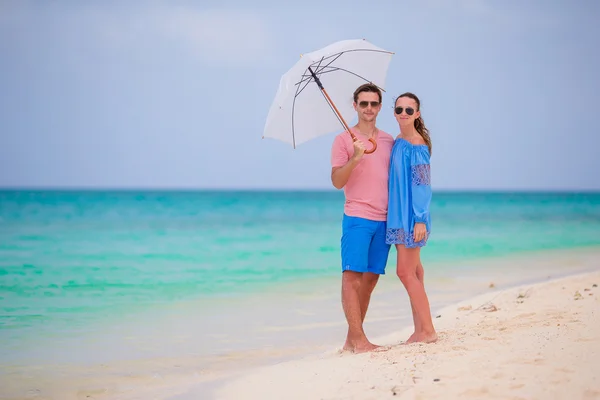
[426, 338]
[348, 346]
[366, 347]
[412, 338]
[363, 347]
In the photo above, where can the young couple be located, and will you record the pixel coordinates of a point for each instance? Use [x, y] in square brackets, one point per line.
[387, 195]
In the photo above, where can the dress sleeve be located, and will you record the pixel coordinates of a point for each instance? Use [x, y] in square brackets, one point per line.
[339, 154]
[421, 183]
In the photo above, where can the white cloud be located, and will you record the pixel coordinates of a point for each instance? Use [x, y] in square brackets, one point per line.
[499, 15]
[504, 16]
[218, 35]
[215, 36]
[232, 37]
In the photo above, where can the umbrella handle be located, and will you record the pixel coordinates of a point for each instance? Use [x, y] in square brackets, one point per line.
[374, 146]
[339, 115]
[354, 139]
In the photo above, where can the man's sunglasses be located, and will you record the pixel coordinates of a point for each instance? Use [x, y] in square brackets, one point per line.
[409, 111]
[365, 104]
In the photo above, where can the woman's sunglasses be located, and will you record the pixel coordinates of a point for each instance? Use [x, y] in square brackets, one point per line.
[409, 111]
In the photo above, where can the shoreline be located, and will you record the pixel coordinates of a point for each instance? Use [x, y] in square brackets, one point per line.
[568, 263]
[176, 376]
[511, 344]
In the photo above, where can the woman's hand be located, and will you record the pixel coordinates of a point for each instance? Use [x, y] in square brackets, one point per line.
[420, 232]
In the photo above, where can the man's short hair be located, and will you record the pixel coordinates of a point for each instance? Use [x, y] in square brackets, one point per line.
[367, 87]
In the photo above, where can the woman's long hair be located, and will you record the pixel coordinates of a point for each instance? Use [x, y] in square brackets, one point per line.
[419, 124]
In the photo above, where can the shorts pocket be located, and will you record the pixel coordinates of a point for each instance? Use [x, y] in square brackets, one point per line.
[349, 222]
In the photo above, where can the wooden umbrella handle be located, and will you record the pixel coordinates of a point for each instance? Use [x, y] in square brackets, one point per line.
[354, 139]
[318, 81]
[374, 146]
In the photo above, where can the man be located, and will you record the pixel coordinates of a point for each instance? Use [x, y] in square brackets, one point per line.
[364, 178]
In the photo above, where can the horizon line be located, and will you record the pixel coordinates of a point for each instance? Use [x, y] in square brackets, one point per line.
[267, 189]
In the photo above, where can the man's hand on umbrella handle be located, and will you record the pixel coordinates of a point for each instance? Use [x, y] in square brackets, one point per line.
[359, 150]
[372, 149]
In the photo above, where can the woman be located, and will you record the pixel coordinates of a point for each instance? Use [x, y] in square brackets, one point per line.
[408, 221]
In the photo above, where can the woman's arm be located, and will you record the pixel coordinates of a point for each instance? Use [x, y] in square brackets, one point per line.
[421, 191]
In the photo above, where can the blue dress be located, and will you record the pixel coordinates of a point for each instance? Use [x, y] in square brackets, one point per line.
[409, 193]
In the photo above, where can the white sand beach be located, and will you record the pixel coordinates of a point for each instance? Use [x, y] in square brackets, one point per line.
[538, 341]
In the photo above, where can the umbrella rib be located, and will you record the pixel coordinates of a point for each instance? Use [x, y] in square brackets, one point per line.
[322, 93]
[334, 57]
[317, 67]
[298, 91]
[309, 76]
[320, 70]
[334, 69]
[333, 109]
[337, 55]
[293, 130]
[307, 81]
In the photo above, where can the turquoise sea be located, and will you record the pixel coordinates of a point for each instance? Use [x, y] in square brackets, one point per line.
[77, 263]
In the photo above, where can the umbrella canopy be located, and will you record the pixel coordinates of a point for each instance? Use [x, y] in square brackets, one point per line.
[315, 96]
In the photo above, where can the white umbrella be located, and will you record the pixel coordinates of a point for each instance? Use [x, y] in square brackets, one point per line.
[300, 111]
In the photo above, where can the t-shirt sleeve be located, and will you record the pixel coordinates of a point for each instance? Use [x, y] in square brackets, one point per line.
[339, 154]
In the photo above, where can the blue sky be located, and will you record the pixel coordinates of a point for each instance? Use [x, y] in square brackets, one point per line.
[175, 94]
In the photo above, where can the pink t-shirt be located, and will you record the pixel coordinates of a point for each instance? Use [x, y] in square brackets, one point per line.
[367, 188]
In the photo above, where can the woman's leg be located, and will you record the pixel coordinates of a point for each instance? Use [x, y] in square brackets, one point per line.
[417, 323]
[407, 266]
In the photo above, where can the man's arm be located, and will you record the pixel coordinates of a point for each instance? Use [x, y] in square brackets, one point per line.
[340, 175]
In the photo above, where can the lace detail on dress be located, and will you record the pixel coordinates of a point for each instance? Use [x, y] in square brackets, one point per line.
[421, 174]
[400, 236]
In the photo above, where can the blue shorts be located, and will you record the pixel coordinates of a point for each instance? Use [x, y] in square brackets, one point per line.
[363, 245]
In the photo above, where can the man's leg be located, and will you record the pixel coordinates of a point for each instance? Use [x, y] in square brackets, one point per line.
[378, 257]
[356, 340]
[367, 285]
[356, 239]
